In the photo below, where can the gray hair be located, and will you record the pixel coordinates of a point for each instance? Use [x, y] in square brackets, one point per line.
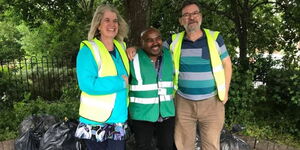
[98, 15]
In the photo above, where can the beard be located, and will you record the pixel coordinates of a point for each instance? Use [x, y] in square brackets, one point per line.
[192, 26]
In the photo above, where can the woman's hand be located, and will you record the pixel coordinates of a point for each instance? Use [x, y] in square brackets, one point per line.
[125, 79]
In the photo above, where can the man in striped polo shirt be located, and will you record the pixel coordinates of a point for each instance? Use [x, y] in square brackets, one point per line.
[202, 76]
[204, 71]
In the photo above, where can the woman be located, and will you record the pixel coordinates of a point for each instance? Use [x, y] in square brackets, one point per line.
[102, 73]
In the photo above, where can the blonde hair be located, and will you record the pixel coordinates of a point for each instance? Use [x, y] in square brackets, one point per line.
[98, 15]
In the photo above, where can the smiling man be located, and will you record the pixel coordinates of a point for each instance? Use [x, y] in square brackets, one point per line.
[202, 78]
[151, 105]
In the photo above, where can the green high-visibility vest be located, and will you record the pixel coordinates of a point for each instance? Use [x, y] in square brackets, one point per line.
[151, 92]
[217, 66]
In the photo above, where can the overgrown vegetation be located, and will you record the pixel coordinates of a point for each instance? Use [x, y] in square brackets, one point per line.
[269, 111]
[66, 106]
[55, 28]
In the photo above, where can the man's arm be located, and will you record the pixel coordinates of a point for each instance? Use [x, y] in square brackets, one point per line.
[131, 51]
[228, 72]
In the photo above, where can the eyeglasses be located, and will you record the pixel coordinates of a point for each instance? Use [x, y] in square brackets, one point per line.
[187, 15]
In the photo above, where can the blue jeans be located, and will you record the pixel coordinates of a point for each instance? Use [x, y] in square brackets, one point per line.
[105, 145]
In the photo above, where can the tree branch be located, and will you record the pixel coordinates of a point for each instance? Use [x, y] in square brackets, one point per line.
[213, 8]
[257, 4]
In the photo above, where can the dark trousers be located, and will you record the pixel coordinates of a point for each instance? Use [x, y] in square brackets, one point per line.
[144, 131]
[105, 145]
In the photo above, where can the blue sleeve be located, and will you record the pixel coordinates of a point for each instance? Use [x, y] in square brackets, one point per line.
[87, 76]
[167, 43]
[222, 47]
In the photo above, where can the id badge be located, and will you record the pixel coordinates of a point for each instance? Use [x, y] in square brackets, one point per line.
[162, 91]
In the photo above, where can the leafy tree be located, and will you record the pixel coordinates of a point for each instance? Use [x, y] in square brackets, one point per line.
[52, 28]
[9, 36]
[258, 24]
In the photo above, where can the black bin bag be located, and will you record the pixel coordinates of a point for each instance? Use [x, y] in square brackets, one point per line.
[231, 142]
[31, 131]
[28, 141]
[61, 136]
[228, 140]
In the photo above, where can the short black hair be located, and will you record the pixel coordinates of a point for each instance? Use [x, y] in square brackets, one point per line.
[188, 2]
[148, 30]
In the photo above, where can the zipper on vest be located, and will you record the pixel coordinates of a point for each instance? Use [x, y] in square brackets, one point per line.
[158, 79]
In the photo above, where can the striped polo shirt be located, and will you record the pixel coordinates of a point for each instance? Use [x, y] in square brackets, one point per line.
[196, 80]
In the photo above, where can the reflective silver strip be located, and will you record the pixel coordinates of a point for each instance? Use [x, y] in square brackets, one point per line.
[212, 33]
[166, 97]
[174, 43]
[144, 100]
[137, 70]
[218, 68]
[151, 86]
[97, 55]
[143, 87]
[165, 84]
[155, 100]
[94, 101]
[221, 87]
[123, 45]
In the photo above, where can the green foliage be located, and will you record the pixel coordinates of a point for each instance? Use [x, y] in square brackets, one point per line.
[35, 42]
[50, 40]
[46, 28]
[164, 16]
[71, 91]
[9, 36]
[267, 132]
[266, 22]
[270, 111]
[238, 108]
[11, 117]
[283, 86]
[9, 85]
[36, 12]
[55, 28]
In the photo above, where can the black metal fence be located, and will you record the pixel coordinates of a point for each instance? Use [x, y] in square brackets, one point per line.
[35, 76]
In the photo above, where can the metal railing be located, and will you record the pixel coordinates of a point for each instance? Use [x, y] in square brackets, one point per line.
[42, 77]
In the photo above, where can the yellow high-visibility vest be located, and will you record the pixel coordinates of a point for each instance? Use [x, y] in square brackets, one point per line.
[217, 66]
[99, 107]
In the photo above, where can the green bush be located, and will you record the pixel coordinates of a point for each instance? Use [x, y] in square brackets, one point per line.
[270, 111]
[67, 106]
[10, 90]
[241, 95]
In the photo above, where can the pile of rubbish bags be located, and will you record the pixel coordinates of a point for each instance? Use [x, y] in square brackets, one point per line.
[228, 140]
[45, 132]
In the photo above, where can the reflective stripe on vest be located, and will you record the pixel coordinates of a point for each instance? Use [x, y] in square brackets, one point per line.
[151, 90]
[151, 86]
[148, 87]
[218, 70]
[154, 100]
[175, 47]
[99, 107]
[217, 67]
